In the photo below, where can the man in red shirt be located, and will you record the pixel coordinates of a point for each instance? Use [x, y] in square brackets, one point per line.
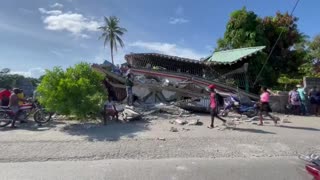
[4, 97]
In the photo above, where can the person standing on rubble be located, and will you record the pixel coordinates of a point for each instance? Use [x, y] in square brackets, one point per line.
[214, 106]
[129, 85]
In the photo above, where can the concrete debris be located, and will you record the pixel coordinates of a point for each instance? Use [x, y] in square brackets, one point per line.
[230, 123]
[161, 139]
[195, 123]
[129, 114]
[180, 122]
[236, 119]
[171, 109]
[173, 129]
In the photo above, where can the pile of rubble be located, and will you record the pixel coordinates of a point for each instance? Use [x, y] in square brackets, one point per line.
[152, 111]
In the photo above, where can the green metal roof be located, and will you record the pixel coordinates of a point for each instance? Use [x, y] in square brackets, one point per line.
[232, 56]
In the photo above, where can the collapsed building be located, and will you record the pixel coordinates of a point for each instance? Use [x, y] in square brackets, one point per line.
[165, 78]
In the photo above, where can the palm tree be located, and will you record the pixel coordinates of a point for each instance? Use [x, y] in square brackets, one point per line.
[111, 33]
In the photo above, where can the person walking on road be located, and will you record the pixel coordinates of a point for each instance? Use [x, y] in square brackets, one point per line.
[214, 106]
[265, 106]
[303, 99]
[294, 101]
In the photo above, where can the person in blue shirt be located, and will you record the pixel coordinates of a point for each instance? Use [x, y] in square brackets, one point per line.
[303, 99]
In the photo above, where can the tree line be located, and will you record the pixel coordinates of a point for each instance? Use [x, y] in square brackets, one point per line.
[295, 55]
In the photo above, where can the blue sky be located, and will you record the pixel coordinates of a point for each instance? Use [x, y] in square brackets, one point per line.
[39, 34]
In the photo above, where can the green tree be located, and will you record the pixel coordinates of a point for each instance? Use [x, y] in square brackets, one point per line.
[111, 33]
[246, 29]
[10, 80]
[311, 67]
[76, 91]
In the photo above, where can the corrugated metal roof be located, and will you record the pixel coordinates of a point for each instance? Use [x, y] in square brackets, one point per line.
[234, 55]
[176, 58]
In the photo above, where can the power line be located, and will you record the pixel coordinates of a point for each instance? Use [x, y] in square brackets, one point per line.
[265, 63]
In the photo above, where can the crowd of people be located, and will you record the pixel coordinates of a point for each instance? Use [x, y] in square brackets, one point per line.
[301, 102]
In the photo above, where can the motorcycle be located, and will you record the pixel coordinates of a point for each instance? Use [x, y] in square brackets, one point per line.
[232, 103]
[313, 165]
[40, 115]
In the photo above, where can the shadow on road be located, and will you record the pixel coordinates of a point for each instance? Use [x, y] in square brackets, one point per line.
[300, 128]
[253, 130]
[33, 126]
[113, 131]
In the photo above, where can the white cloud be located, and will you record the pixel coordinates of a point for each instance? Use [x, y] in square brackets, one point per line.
[168, 48]
[178, 20]
[34, 72]
[74, 23]
[50, 12]
[57, 5]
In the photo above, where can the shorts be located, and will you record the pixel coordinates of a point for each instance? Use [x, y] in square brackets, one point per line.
[265, 107]
[14, 109]
[213, 112]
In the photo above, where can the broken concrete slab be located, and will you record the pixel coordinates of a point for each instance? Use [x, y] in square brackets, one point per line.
[195, 123]
[181, 122]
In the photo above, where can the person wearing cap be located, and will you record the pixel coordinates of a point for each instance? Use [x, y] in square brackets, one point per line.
[214, 106]
[303, 99]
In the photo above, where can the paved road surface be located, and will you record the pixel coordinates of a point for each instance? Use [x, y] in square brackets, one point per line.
[164, 169]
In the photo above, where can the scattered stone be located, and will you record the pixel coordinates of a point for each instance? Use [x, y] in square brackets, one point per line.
[230, 123]
[181, 122]
[185, 129]
[173, 129]
[161, 139]
[236, 119]
[194, 122]
[171, 122]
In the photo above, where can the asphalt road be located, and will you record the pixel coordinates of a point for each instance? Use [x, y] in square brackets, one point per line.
[161, 169]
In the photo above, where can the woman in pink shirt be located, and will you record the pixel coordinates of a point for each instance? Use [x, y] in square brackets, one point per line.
[264, 105]
[214, 106]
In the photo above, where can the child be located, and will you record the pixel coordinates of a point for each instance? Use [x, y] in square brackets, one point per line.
[110, 110]
[214, 106]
